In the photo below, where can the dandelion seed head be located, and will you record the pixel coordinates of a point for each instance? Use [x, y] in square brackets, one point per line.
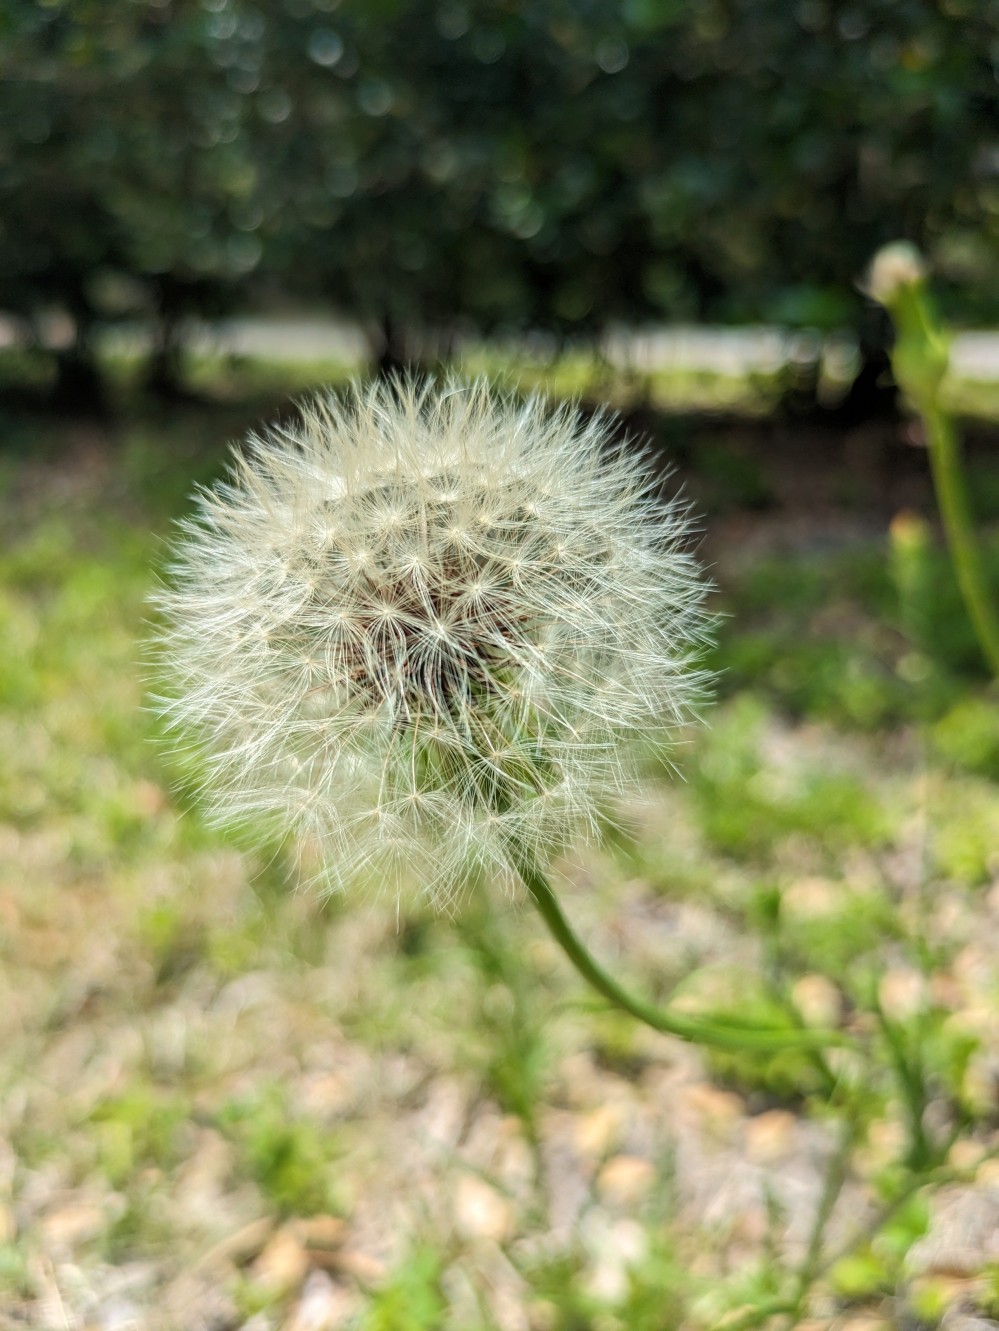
[420, 625]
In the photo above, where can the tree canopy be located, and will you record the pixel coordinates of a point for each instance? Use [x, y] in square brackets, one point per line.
[499, 164]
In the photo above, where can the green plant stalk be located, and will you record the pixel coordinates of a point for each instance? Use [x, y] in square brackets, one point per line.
[722, 1034]
[948, 479]
[919, 360]
[832, 1187]
[912, 1086]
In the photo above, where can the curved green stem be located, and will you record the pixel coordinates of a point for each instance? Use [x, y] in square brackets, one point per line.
[723, 1034]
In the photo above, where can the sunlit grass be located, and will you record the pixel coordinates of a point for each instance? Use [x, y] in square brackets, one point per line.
[191, 1047]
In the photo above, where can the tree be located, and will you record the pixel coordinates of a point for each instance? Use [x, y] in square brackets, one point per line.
[125, 177]
[427, 165]
[537, 163]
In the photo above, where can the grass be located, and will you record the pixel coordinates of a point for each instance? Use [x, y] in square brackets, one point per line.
[221, 1101]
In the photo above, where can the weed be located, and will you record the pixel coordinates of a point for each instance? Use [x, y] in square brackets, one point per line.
[412, 1299]
[289, 1158]
[141, 1127]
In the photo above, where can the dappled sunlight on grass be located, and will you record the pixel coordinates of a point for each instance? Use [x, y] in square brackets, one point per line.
[228, 1098]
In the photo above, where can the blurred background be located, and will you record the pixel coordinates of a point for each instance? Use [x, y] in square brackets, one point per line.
[225, 1105]
[427, 173]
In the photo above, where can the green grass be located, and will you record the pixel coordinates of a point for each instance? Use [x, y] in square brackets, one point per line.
[192, 1048]
[828, 638]
[412, 1298]
[290, 1159]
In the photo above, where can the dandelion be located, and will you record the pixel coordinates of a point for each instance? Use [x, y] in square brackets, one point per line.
[414, 631]
[415, 628]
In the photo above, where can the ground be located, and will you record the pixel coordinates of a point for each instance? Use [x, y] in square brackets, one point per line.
[226, 1104]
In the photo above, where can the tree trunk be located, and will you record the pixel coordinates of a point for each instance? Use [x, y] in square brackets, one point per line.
[391, 350]
[164, 371]
[79, 388]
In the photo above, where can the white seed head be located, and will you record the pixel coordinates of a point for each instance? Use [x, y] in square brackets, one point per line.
[418, 626]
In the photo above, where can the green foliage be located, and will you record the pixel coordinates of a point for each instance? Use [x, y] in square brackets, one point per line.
[656, 1292]
[127, 173]
[767, 1080]
[174, 942]
[746, 806]
[964, 841]
[791, 848]
[841, 934]
[876, 1268]
[967, 735]
[534, 165]
[919, 359]
[734, 478]
[840, 639]
[412, 1299]
[510, 1050]
[990, 1295]
[144, 1126]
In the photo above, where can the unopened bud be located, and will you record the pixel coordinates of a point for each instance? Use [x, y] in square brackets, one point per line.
[910, 533]
[894, 267]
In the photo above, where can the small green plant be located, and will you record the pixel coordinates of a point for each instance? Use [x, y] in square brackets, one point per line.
[920, 357]
[412, 1298]
[512, 1053]
[290, 1159]
[144, 1126]
[745, 808]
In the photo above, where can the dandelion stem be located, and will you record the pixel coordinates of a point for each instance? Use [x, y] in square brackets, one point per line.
[724, 1033]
